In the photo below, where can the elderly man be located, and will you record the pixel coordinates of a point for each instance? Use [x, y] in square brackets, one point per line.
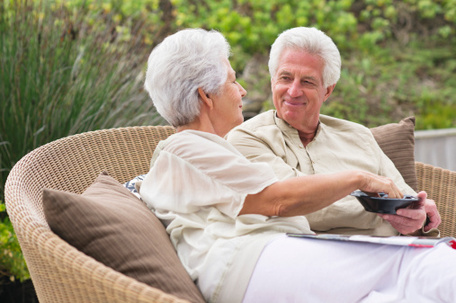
[295, 139]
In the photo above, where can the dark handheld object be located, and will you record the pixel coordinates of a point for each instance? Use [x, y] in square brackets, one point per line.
[382, 204]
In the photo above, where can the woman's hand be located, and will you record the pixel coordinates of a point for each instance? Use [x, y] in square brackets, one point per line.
[376, 184]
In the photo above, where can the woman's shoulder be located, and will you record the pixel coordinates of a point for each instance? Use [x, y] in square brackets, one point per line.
[192, 137]
[193, 142]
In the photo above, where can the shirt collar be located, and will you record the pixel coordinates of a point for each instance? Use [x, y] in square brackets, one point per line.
[290, 130]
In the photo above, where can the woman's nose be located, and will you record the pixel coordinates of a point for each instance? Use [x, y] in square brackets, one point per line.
[242, 90]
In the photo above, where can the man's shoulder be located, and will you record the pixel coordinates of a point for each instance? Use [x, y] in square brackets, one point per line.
[261, 128]
[258, 126]
[343, 125]
[264, 119]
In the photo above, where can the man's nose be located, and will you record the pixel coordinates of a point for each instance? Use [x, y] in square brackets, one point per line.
[295, 89]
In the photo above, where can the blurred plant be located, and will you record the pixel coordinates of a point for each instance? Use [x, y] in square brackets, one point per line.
[389, 84]
[12, 262]
[63, 71]
[251, 26]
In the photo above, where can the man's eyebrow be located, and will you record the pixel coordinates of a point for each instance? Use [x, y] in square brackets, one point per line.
[310, 78]
[284, 72]
[287, 73]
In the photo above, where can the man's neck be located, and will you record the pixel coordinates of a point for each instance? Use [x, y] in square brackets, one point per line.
[308, 136]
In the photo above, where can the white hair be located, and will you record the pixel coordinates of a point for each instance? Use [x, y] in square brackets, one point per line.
[178, 66]
[312, 41]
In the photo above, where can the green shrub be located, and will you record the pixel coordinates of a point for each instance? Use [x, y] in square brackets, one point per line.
[12, 262]
[391, 50]
[64, 71]
[393, 83]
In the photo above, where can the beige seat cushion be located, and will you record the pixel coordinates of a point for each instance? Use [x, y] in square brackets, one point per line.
[397, 141]
[110, 224]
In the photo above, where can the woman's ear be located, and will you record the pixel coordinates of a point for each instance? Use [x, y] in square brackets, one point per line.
[205, 98]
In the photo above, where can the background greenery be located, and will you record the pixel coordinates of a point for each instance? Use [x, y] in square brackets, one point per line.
[78, 65]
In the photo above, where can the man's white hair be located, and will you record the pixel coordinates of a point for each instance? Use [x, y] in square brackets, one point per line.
[312, 41]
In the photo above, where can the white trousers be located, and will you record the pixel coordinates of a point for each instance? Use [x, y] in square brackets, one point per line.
[309, 270]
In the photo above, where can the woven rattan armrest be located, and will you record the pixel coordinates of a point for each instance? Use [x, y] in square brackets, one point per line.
[61, 273]
[440, 185]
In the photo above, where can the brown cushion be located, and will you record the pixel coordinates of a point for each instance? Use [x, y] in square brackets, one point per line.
[397, 141]
[110, 224]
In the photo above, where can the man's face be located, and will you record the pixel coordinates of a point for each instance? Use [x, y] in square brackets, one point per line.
[298, 91]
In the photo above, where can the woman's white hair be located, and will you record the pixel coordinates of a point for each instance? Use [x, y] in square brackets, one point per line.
[312, 41]
[178, 66]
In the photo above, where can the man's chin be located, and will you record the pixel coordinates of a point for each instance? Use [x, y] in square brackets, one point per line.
[291, 115]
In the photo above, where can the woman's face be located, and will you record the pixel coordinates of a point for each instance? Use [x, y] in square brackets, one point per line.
[227, 111]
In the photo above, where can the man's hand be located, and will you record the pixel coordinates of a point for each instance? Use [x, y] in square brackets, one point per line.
[410, 220]
[433, 216]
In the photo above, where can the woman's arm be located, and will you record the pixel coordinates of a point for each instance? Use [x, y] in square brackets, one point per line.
[306, 194]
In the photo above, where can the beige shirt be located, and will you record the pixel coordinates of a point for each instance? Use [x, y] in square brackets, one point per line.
[197, 186]
[338, 145]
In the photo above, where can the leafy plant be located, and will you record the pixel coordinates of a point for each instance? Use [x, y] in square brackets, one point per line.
[61, 74]
[12, 262]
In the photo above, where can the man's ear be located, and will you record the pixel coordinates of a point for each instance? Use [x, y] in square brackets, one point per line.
[205, 98]
[329, 91]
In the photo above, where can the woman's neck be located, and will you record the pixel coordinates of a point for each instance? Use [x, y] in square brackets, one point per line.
[201, 124]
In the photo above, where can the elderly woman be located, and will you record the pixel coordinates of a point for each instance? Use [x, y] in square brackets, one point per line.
[227, 217]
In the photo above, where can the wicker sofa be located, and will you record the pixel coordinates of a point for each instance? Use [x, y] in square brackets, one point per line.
[62, 273]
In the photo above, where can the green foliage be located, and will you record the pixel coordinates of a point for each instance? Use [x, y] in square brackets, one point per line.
[252, 26]
[381, 43]
[391, 83]
[12, 263]
[65, 71]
